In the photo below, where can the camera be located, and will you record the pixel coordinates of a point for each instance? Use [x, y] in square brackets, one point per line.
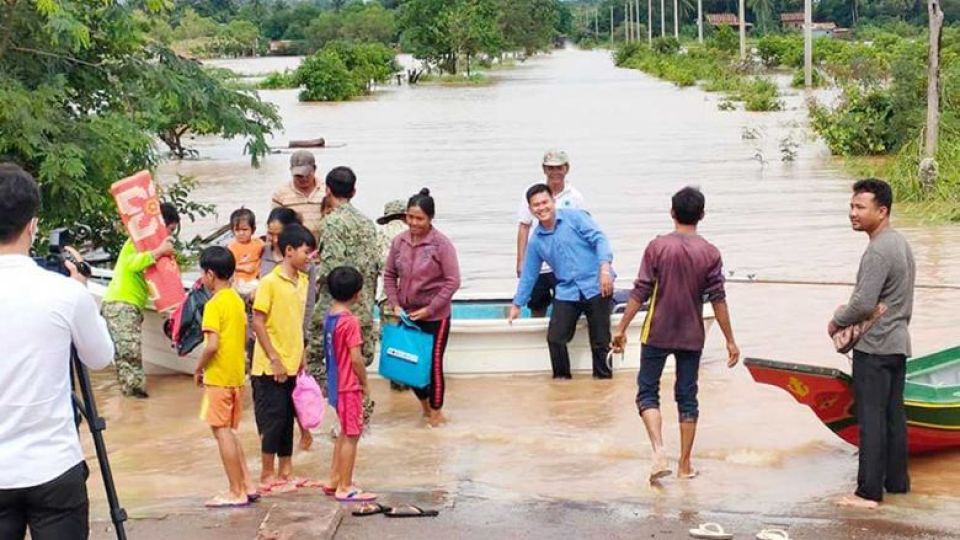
[56, 255]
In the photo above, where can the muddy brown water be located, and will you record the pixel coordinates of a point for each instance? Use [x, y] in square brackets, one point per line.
[632, 140]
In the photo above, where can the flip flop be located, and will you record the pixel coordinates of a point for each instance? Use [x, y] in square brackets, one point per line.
[221, 501]
[773, 534]
[253, 497]
[656, 475]
[369, 509]
[329, 491]
[357, 496]
[690, 476]
[410, 511]
[269, 486]
[711, 531]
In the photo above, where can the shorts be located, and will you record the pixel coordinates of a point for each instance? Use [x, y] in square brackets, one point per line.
[542, 295]
[273, 409]
[222, 406]
[350, 412]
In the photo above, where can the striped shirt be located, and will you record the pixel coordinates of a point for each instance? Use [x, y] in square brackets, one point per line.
[677, 271]
[310, 207]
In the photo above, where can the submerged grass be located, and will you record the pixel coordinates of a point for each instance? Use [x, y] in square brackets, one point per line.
[476, 78]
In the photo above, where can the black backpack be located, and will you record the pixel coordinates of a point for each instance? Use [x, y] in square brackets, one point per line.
[185, 326]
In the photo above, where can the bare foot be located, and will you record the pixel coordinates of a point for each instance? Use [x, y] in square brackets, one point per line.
[227, 500]
[306, 440]
[852, 501]
[659, 467]
[436, 419]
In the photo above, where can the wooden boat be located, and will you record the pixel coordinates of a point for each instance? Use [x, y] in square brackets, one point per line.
[931, 397]
[481, 340]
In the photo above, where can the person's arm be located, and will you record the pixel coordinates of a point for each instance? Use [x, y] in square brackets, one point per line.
[642, 289]
[528, 277]
[89, 333]
[591, 232]
[210, 349]
[723, 319]
[311, 300]
[390, 274]
[262, 304]
[450, 267]
[866, 294]
[523, 236]
[359, 367]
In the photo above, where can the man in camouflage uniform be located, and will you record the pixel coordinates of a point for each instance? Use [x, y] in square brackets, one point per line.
[392, 222]
[349, 239]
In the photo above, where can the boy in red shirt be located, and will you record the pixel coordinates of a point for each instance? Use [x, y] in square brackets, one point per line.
[347, 383]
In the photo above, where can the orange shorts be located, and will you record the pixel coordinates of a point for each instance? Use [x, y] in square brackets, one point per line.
[222, 406]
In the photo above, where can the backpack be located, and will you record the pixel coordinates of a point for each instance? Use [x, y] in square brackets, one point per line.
[185, 326]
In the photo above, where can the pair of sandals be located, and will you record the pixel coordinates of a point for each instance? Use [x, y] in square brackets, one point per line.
[405, 511]
[714, 531]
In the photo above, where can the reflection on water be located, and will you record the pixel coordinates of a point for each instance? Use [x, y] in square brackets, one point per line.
[633, 141]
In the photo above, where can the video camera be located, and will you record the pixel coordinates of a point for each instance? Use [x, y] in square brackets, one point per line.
[56, 255]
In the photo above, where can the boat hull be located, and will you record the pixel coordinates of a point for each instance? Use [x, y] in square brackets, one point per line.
[476, 345]
[931, 427]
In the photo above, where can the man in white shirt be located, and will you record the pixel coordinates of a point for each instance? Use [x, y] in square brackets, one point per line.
[556, 165]
[42, 472]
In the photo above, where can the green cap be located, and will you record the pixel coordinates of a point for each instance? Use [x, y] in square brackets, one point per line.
[302, 163]
[395, 209]
[555, 158]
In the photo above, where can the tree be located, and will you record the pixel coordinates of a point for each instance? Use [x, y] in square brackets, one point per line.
[928, 166]
[440, 31]
[763, 11]
[81, 109]
[530, 25]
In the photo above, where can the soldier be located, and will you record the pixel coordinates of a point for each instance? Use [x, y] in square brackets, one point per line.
[392, 222]
[349, 239]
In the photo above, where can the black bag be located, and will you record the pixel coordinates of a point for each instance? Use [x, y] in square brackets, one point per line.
[185, 326]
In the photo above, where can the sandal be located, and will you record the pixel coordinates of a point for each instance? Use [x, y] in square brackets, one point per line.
[410, 511]
[357, 495]
[223, 501]
[369, 509]
[711, 531]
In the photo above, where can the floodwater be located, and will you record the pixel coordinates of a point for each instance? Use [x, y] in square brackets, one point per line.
[633, 141]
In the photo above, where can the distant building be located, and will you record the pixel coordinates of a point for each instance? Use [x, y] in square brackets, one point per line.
[792, 21]
[725, 19]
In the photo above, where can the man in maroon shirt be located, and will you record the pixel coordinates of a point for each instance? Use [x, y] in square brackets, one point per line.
[678, 271]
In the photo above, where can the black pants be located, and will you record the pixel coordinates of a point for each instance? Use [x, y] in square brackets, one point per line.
[543, 291]
[56, 510]
[273, 408]
[434, 393]
[878, 382]
[563, 326]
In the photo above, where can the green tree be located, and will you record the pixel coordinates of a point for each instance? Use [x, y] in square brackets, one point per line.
[529, 25]
[80, 85]
[763, 11]
[325, 77]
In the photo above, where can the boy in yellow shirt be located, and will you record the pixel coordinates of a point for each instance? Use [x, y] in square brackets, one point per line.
[221, 372]
[278, 311]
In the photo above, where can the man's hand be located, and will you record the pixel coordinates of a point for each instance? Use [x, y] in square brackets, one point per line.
[279, 372]
[832, 328]
[366, 389]
[198, 376]
[74, 273]
[514, 313]
[619, 341]
[519, 267]
[419, 314]
[164, 249]
[733, 354]
[606, 283]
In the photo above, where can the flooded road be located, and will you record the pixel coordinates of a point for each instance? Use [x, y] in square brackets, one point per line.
[633, 141]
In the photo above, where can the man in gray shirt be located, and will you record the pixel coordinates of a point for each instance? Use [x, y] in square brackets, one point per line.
[886, 276]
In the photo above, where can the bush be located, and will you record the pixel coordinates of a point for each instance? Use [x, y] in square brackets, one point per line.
[780, 49]
[666, 45]
[760, 94]
[279, 80]
[627, 51]
[325, 77]
[859, 125]
[799, 79]
[724, 39]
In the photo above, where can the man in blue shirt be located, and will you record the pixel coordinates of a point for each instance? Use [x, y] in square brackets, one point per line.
[579, 253]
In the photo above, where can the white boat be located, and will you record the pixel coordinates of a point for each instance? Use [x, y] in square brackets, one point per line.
[481, 339]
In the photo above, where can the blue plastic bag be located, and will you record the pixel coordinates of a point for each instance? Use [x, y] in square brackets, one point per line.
[406, 353]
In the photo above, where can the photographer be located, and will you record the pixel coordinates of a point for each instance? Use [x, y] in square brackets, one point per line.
[42, 472]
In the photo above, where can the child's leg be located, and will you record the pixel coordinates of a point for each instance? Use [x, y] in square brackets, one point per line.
[231, 455]
[346, 458]
[306, 438]
[248, 486]
[288, 419]
[335, 464]
[267, 473]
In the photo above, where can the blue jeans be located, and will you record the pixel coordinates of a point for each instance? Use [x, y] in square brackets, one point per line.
[652, 360]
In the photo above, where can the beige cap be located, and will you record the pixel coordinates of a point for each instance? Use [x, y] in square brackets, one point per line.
[302, 163]
[555, 158]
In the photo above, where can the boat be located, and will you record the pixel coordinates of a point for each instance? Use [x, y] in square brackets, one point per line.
[931, 397]
[481, 339]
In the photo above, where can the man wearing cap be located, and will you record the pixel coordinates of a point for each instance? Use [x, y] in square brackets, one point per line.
[556, 165]
[302, 194]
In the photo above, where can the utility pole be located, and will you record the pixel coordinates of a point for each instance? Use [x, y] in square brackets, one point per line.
[636, 17]
[650, 22]
[808, 44]
[596, 24]
[611, 24]
[743, 33]
[663, 18]
[626, 23]
[700, 21]
[676, 20]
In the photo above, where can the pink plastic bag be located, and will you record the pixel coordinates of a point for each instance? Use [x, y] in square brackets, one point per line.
[308, 401]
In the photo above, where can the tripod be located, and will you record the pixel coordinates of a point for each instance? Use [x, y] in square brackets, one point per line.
[85, 407]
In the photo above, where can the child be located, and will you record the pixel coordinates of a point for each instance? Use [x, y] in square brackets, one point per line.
[247, 251]
[278, 311]
[221, 372]
[124, 301]
[347, 386]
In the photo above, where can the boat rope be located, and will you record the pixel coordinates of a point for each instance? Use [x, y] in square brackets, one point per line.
[931, 286]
